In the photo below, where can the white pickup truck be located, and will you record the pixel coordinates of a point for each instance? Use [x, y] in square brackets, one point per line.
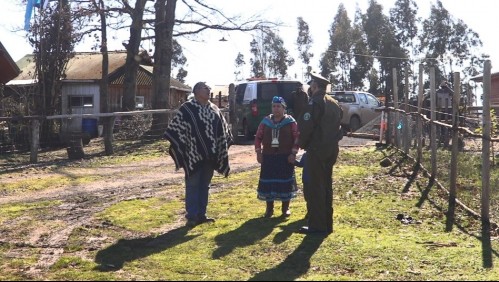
[358, 107]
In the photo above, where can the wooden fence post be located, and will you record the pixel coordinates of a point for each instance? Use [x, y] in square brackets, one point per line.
[108, 134]
[35, 141]
[75, 144]
[453, 163]
[232, 112]
[486, 141]
[396, 107]
[419, 135]
[407, 117]
[485, 199]
[433, 134]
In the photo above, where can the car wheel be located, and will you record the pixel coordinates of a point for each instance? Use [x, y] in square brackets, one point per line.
[354, 124]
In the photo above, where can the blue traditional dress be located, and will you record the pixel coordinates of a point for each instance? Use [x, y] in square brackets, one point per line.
[277, 176]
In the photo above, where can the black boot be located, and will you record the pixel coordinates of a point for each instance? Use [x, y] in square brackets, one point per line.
[270, 209]
[285, 209]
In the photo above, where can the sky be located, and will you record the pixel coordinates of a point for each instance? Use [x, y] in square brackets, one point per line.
[213, 61]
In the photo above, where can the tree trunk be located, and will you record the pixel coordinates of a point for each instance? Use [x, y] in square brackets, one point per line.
[133, 58]
[108, 123]
[165, 20]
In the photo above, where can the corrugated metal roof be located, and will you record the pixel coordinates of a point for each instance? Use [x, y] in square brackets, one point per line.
[479, 78]
[87, 66]
[174, 83]
[83, 66]
[143, 78]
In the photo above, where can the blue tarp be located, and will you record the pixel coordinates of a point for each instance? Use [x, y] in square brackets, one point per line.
[27, 16]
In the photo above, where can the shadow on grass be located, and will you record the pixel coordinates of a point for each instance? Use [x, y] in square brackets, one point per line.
[425, 193]
[296, 264]
[485, 237]
[114, 257]
[287, 231]
[247, 234]
[411, 179]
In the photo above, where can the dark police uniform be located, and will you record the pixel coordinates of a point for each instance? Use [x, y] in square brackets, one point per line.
[300, 102]
[320, 133]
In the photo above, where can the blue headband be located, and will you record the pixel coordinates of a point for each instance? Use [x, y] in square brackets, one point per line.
[279, 100]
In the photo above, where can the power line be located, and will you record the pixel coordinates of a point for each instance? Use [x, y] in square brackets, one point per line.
[382, 57]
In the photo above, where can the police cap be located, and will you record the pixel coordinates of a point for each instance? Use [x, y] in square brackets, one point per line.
[318, 78]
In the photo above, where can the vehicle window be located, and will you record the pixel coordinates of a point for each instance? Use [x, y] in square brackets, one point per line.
[362, 98]
[286, 91]
[372, 100]
[249, 92]
[344, 98]
[266, 91]
[240, 93]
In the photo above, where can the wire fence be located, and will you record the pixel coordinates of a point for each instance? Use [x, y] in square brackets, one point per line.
[23, 138]
[456, 148]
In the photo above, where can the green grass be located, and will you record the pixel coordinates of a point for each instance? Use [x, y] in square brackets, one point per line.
[42, 183]
[142, 215]
[469, 178]
[12, 211]
[147, 240]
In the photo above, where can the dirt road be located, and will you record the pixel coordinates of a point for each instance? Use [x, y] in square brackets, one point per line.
[136, 175]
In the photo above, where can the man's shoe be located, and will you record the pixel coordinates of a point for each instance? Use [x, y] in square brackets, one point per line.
[205, 220]
[309, 230]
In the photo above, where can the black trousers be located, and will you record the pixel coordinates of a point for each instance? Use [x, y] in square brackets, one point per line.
[318, 192]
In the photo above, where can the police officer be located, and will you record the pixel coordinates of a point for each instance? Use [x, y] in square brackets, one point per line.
[300, 99]
[320, 132]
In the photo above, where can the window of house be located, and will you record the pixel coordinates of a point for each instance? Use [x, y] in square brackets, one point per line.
[81, 101]
[139, 102]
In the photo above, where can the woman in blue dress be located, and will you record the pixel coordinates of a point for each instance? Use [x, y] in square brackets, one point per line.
[276, 145]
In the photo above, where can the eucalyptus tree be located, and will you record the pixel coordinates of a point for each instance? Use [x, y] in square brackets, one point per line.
[259, 61]
[304, 43]
[340, 49]
[347, 60]
[404, 18]
[239, 63]
[270, 57]
[448, 42]
[373, 78]
[382, 42]
[363, 61]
